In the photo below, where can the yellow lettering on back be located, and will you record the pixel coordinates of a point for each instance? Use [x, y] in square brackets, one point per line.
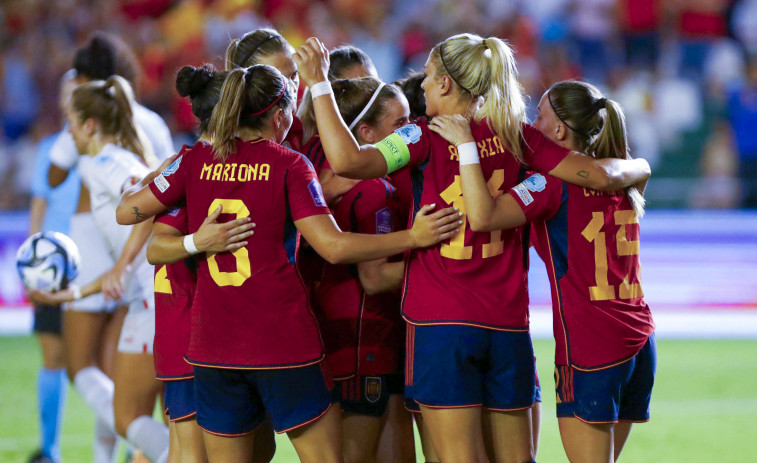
[492, 152]
[217, 172]
[498, 145]
[453, 156]
[205, 171]
[226, 172]
[253, 172]
[482, 150]
[264, 171]
[242, 172]
[233, 170]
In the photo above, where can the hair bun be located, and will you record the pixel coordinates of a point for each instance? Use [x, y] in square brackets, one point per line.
[192, 81]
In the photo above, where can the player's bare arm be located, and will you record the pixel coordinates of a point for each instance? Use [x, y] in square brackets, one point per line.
[346, 157]
[338, 247]
[166, 244]
[483, 212]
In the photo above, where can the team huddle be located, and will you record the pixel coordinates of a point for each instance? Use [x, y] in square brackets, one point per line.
[339, 268]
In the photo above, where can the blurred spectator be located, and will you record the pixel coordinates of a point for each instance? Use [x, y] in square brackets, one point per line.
[744, 24]
[699, 23]
[718, 188]
[742, 109]
[19, 98]
[640, 22]
[594, 29]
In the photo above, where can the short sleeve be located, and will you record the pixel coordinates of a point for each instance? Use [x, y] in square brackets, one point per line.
[408, 145]
[540, 153]
[117, 173]
[63, 153]
[170, 186]
[539, 196]
[175, 217]
[304, 192]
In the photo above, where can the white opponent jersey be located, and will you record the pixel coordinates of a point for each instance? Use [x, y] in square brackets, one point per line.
[105, 176]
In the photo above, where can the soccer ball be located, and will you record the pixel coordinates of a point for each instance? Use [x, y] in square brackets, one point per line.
[47, 261]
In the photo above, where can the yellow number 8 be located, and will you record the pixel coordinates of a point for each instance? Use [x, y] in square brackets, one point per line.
[231, 206]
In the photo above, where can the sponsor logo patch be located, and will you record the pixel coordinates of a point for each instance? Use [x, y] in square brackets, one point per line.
[410, 133]
[173, 167]
[384, 221]
[535, 183]
[316, 193]
[372, 389]
[161, 182]
[523, 193]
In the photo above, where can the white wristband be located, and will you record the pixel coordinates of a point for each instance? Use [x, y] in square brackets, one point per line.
[468, 153]
[76, 290]
[189, 244]
[321, 88]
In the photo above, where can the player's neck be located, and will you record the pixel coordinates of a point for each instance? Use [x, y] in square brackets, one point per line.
[98, 142]
[266, 133]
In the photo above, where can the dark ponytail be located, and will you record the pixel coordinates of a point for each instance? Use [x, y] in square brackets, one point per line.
[203, 87]
[597, 125]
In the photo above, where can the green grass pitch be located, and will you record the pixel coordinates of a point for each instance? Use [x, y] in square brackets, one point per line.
[704, 406]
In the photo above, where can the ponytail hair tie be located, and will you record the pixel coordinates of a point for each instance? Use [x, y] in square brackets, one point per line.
[600, 104]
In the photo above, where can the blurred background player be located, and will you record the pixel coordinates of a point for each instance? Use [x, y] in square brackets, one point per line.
[115, 156]
[51, 210]
[92, 325]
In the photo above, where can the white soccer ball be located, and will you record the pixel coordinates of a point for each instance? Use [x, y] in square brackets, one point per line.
[47, 261]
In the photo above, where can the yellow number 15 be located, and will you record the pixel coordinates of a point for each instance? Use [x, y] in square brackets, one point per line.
[604, 291]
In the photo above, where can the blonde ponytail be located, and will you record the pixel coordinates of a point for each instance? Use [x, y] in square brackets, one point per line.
[486, 68]
[130, 136]
[111, 103]
[224, 121]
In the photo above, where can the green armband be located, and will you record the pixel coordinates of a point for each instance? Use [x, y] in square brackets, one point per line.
[395, 152]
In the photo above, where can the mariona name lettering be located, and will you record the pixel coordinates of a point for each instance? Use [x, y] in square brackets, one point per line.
[233, 172]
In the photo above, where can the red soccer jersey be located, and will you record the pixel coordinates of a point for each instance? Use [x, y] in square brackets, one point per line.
[313, 150]
[363, 334]
[589, 241]
[477, 278]
[174, 292]
[251, 308]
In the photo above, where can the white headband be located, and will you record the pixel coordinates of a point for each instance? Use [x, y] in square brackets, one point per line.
[368, 106]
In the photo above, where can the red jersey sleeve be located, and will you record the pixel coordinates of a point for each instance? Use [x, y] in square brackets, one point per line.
[539, 196]
[304, 192]
[539, 152]
[175, 217]
[170, 186]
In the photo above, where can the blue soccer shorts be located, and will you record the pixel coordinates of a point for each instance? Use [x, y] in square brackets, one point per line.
[619, 393]
[454, 366]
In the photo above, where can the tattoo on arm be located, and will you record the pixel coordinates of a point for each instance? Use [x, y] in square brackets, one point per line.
[580, 173]
[139, 214]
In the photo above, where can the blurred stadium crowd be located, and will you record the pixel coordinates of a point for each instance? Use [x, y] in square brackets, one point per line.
[685, 71]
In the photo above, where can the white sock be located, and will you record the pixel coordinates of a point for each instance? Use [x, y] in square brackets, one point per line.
[150, 437]
[97, 391]
[105, 443]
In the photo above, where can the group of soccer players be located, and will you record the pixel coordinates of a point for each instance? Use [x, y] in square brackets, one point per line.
[272, 314]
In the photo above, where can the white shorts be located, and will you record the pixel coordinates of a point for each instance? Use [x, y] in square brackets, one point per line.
[138, 330]
[95, 261]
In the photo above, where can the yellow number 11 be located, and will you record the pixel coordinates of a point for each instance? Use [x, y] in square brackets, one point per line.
[604, 291]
